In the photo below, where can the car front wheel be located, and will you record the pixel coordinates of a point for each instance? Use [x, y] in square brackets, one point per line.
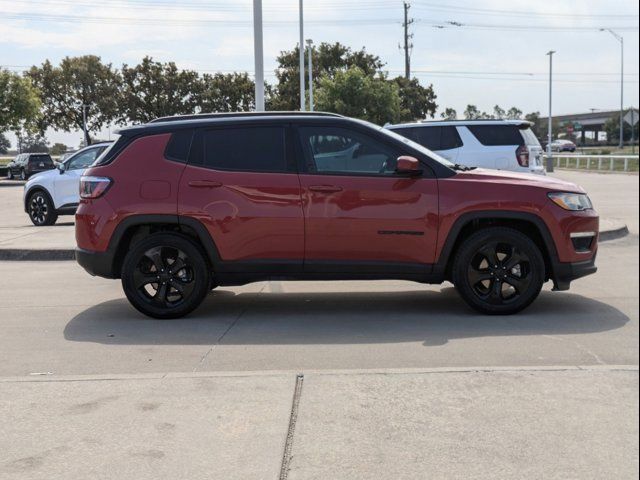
[165, 276]
[499, 271]
[41, 210]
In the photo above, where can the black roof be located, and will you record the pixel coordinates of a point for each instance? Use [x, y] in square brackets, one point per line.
[167, 124]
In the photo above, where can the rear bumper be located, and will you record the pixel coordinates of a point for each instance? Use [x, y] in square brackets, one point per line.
[565, 273]
[98, 264]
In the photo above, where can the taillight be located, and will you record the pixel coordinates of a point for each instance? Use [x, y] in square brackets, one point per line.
[93, 187]
[522, 155]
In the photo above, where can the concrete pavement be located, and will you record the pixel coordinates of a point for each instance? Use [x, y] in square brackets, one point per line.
[614, 195]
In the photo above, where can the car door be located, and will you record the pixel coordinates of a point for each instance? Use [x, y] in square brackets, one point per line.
[66, 185]
[359, 213]
[242, 185]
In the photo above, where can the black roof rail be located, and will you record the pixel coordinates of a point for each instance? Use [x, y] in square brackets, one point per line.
[200, 116]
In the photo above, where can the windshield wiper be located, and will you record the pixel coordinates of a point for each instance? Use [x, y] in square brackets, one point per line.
[462, 168]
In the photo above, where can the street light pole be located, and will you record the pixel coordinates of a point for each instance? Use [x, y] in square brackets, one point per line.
[310, 47]
[258, 55]
[550, 133]
[621, 40]
[301, 48]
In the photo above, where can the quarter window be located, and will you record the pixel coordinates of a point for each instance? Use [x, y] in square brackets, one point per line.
[258, 149]
[338, 150]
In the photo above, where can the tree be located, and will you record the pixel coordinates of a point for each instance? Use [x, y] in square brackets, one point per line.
[58, 149]
[76, 82]
[19, 101]
[328, 59]
[31, 142]
[514, 114]
[356, 94]
[5, 144]
[536, 125]
[498, 112]
[449, 114]
[472, 112]
[417, 102]
[154, 89]
[233, 92]
[612, 127]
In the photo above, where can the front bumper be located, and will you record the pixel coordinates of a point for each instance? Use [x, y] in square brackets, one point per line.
[565, 273]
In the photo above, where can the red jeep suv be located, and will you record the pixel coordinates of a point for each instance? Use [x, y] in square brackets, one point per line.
[183, 204]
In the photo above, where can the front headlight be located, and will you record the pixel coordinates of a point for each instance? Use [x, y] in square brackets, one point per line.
[571, 201]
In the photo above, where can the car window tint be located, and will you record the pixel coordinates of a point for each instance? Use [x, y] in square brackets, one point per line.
[449, 138]
[179, 145]
[496, 135]
[258, 149]
[82, 159]
[338, 150]
[44, 159]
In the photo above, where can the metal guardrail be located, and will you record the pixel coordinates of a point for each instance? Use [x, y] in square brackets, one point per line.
[611, 163]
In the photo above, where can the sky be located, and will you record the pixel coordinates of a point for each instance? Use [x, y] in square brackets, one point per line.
[483, 52]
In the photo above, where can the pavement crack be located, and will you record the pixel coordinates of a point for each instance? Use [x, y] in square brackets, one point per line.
[293, 418]
[580, 347]
[219, 339]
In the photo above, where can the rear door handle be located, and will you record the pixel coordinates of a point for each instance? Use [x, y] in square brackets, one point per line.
[204, 184]
[325, 188]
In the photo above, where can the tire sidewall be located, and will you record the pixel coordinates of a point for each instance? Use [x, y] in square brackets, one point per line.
[200, 266]
[469, 248]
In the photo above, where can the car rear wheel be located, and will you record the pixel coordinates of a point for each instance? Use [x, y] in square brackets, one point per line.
[41, 210]
[165, 276]
[499, 271]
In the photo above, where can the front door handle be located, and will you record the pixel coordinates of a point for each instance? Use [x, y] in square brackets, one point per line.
[204, 184]
[325, 188]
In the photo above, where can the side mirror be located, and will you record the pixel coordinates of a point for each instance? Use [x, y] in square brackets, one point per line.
[408, 166]
[61, 168]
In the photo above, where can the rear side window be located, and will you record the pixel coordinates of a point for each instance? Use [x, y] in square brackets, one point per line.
[530, 138]
[256, 149]
[434, 138]
[179, 146]
[497, 135]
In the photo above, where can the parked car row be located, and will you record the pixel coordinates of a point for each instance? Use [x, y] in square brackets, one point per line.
[27, 164]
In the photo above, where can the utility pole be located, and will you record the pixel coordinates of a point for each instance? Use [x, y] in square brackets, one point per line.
[301, 52]
[407, 36]
[550, 135]
[310, 48]
[258, 55]
[87, 138]
[621, 40]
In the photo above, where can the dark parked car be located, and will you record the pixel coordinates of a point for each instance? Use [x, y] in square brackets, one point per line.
[26, 164]
[181, 205]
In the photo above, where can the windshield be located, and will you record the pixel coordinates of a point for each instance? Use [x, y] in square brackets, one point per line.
[410, 143]
[105, 152]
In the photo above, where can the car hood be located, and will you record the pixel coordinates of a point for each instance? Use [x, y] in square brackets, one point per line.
[39, 176]
[514, 178]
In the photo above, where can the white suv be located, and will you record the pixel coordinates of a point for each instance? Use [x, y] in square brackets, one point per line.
[56, 192]
[498, 144]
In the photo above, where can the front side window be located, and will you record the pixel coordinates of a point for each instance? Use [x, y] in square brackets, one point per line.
[82, 160]
[341, 151]
[255, 149]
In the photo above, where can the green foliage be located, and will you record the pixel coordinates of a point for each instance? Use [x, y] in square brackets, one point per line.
[154, 89]
[77, 81]
[233, 92]
[449, 114]
[612, 127]
[58, 149]
[328, 59]
[514, 114]
[19, 101]
[5, 144]
[417, 102]
[32, 142]
[356, 94]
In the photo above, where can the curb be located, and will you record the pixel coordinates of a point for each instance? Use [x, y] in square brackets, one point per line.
[29, 255]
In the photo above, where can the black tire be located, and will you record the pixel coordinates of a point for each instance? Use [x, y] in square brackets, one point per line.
[40, 209]
[156, 284]
[498, 271]
[23, 174]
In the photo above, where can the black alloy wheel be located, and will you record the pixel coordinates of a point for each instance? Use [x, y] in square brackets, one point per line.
[41, 210]
[165, 276]
[499, 270]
